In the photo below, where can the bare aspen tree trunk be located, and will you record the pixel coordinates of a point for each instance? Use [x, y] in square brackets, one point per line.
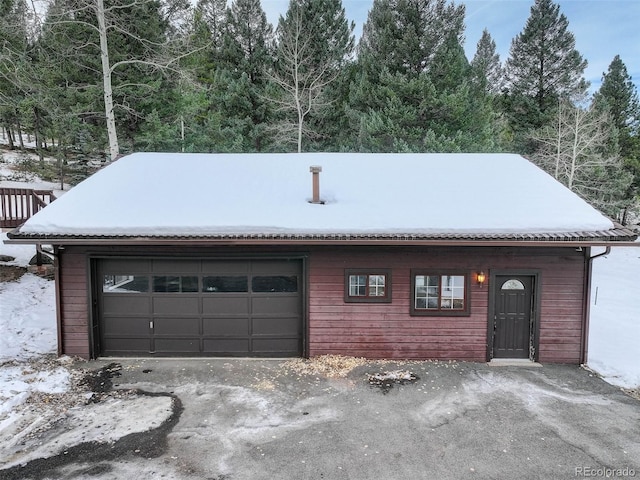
[114, 147]
[559, 142]
[575, 147]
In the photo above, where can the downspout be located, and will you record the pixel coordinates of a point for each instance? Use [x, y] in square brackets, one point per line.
[56, 279]
[587, 302]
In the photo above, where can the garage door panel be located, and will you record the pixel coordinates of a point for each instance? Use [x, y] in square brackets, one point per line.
[276, 304]
[122, 346]
[126, 326]
[126, 266]
[177, 345]
[176, 305]
[226, 345]
[219, 305]
[225, 326]
[275, 326]
[176, 326]
[200, 307]
[279, 346]
[175, 266]
[125, 304]
[222, 266]
[275, 266]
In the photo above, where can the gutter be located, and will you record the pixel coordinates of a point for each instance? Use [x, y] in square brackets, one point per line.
[587, 301]
[58, 291]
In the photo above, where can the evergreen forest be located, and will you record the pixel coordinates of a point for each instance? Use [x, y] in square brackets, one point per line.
[96, 79]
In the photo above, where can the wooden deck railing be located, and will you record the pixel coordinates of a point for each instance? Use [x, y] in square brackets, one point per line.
[19, 204]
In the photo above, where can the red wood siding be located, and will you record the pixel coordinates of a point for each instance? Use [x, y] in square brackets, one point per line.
[388, 331]
[74, 301]
[383, 330]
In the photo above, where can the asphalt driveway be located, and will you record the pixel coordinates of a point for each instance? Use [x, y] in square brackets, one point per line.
[255, 419]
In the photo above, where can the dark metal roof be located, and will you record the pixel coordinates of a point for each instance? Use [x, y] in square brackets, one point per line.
[615, 235]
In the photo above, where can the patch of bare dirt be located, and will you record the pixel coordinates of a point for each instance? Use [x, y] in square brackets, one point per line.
[11, 273]
[339, 366]
[332, 366]
[635, 392]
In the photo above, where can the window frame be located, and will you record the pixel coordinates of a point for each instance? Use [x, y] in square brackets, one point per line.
[441, 312]
[368, 272]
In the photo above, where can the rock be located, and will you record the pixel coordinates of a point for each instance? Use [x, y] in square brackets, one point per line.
[7, 258]
[46, 260]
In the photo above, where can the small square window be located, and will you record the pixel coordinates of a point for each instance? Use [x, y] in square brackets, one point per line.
[364, 285]
[439, 293]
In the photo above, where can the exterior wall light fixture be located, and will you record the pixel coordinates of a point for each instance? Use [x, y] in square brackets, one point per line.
[480, 278]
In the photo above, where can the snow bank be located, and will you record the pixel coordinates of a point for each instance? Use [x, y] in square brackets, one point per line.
[27, 310]
[614, 331]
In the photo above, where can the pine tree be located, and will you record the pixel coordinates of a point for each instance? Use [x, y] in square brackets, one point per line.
[247, 55]
[414, 92]
[248, 39]
[486, 70]
[213, 13]
[15, 66]
[619, 96]
[405, 35]
[543, 66]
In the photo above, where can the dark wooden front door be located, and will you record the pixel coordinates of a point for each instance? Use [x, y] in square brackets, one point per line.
[512, 316]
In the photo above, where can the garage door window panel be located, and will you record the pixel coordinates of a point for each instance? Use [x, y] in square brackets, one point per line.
[175, 284]
[225, 284]
[125, 284]
[274, 284]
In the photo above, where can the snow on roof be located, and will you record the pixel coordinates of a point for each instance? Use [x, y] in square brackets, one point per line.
[160, 194]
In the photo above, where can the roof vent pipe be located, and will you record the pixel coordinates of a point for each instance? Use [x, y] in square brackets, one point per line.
[315, 170]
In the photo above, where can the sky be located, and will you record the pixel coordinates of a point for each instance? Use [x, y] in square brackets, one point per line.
[602, 28]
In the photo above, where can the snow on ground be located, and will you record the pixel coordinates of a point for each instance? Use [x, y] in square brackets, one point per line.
[27, 310]
[27, 318]
[11, 177]
[614, 331]
[44, 406]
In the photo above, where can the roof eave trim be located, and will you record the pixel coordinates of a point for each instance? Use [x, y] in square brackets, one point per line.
[227, 241]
